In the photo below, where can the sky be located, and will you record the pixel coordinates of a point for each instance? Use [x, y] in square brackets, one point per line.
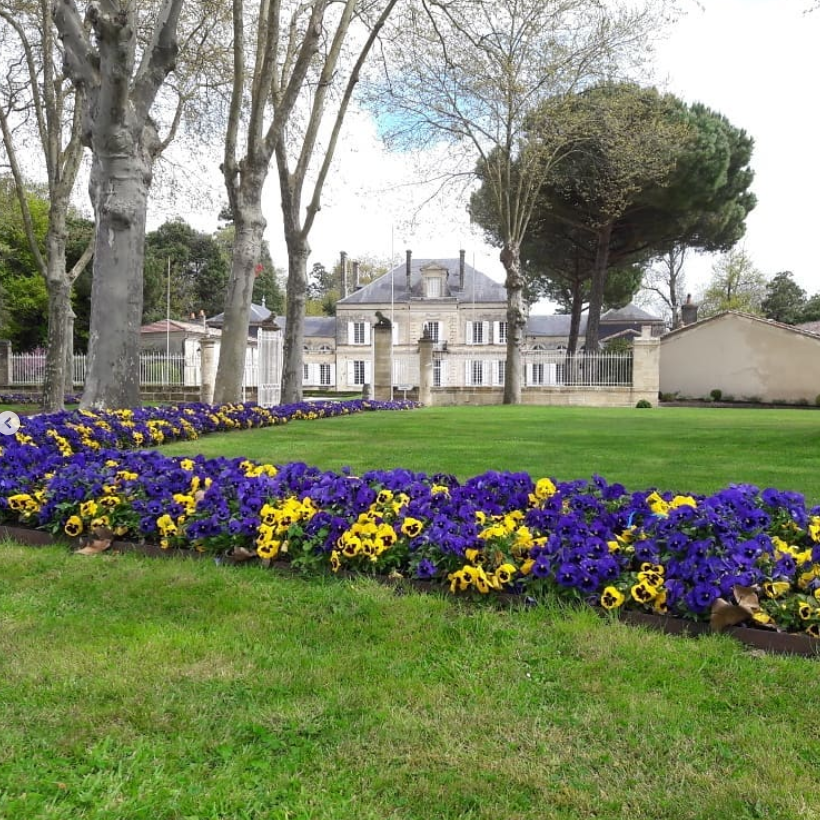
[755, 61]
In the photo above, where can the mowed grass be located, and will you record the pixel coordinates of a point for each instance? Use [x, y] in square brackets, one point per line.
[137, 688]
[682, 449]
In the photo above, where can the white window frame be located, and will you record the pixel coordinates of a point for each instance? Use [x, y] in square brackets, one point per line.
[434, 329]
[477, 333]
[500, 332]
[325, 375]
[358, 333]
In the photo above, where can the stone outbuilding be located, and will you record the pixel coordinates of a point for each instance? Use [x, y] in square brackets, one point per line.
[744, 356]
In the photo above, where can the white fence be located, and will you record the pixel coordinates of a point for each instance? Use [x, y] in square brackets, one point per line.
[156, 369]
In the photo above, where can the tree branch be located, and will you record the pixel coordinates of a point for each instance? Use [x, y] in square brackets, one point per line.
[158, 59]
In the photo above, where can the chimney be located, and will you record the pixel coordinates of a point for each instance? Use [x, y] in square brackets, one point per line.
[461, 255]
[356, 283]
[407, 270]
[343, 274]
[688, 311]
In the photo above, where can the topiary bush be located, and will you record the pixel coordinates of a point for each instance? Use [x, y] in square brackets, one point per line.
[644, 403]
[716, 394]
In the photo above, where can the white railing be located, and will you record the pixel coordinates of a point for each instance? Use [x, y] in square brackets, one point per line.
[554, 368]
[156, 369]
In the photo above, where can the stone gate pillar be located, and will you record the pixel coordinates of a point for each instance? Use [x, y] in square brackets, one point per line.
[426, 369]
[646, 366]
[382, 365]
[207, 370]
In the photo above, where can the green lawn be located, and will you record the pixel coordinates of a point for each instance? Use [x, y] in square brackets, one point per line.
[136, 688]
[685, 449]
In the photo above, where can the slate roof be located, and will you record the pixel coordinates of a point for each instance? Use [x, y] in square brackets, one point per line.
[629, 313]
[392, 286]
[175, 326]
[557, 325]
[314, 325]
[259, 314]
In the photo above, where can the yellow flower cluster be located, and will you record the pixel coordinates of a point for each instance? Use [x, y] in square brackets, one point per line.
[544, 489]
[474, 575]
[25, 504]
[659, 506]
[648, 591]
[276, 521]
[62, 443]
[373, 533]
[254, 470]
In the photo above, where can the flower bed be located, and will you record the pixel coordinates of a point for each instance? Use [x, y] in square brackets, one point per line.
[739, 555]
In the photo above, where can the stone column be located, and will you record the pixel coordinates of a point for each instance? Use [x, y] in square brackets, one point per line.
[5, 363]
[646, 371]
[382, 369]
[207, 369]
[426, 369]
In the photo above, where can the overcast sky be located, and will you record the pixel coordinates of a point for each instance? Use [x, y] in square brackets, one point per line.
[756, 61]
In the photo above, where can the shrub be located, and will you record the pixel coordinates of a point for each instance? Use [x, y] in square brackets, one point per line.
[716, 394]
[817, 400]
[643, 403]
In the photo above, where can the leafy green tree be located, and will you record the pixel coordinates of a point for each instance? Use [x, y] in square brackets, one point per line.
[736, 284]
[811, 310]
[198, 272]
[785, 300]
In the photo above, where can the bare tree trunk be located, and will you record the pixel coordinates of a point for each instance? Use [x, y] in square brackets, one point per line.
[516, 320]
[119, 190]
[596, 294]
[249, 225]
[575, 317]
[298, 252]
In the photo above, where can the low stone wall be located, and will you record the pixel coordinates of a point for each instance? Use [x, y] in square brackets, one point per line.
[550, 396]
[148, 394]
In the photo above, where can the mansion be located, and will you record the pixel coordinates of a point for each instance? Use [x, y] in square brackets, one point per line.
[461, 309]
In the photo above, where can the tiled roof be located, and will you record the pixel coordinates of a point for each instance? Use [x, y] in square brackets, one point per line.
[259, 314]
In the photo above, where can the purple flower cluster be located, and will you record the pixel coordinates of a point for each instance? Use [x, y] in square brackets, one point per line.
[496, 532]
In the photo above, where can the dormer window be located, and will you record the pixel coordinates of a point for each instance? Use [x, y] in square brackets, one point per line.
[434, 281]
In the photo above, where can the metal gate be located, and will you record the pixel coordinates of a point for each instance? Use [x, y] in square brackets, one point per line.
[270, 367]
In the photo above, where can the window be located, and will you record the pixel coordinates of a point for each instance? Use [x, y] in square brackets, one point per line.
[501, 371]
[324, 375]
[436, 372]
[305, 374]
[434, 329]
[358, 373]
[537, 373]
[325, 349]
[432, 289]
[358, 333]
[478, 333]
[500, 333]
[476, 372]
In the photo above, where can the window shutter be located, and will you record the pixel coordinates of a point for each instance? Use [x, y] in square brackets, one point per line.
[443, 373]
[468, 372]
[350, 374]
[333, 375]
[468, 338]
[367, 333]
[497, 333]
[367, 368]
[350, 333]
[485, 333]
